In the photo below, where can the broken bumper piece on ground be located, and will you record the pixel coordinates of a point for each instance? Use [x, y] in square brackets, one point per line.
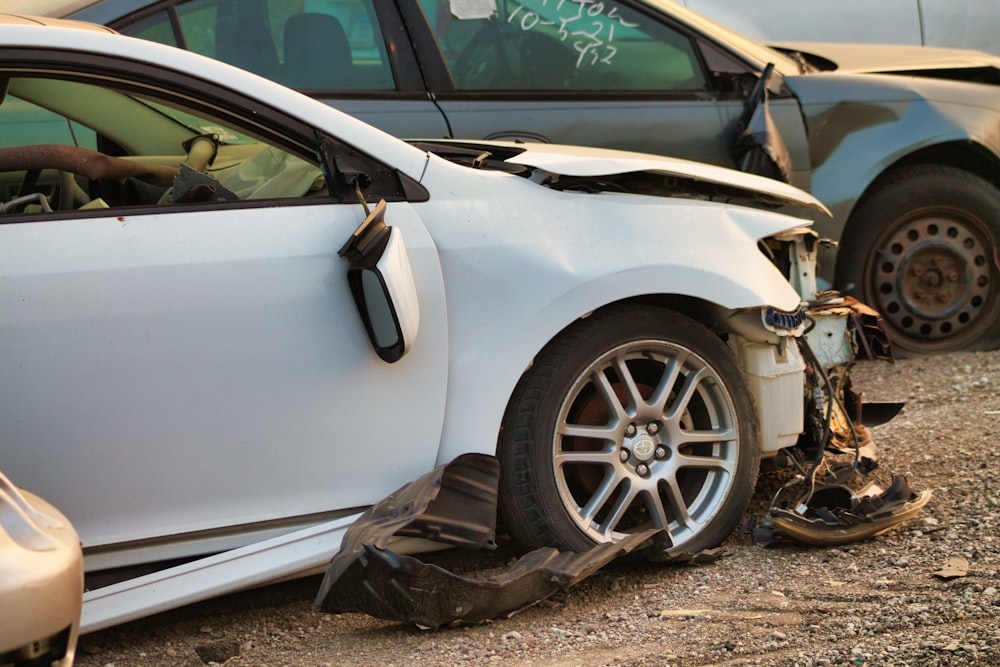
[453, 504]
[387, 585]
[837, 515]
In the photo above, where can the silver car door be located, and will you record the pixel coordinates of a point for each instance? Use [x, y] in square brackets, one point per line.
[597, 74]
[170, 373]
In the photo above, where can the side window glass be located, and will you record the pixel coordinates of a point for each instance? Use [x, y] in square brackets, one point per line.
[308, 44]
[570, 45]
[23, 123]
[332, 45]
[149, 153]
[155, 28]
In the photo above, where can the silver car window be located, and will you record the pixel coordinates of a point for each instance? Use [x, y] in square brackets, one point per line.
[148, 152]
[309, 45]
[565, 45]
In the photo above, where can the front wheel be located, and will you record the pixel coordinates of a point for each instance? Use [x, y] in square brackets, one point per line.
[922, 250]
[633, 418]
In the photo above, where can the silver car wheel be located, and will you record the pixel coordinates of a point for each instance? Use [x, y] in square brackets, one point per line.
[635, 417]
[647, 436]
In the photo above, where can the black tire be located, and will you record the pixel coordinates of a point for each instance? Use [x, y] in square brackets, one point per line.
[921, 249]
[636, 451]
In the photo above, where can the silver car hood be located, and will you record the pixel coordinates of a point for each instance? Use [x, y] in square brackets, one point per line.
[594, 164]
[888, 58]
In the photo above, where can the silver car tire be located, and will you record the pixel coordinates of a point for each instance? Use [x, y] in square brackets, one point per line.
[921, 249]
[633, 418]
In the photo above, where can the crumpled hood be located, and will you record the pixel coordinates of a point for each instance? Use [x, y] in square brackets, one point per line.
[889, 58]
[586, 162]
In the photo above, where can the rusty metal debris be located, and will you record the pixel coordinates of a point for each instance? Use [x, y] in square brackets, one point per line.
[453, 504]
[834, 514]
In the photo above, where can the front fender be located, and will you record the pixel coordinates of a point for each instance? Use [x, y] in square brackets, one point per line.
[887, 118]
[494, 339]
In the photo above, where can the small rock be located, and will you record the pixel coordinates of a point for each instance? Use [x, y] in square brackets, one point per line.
[217, 651]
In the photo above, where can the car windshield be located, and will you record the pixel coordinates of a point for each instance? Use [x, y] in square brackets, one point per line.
[760, 54]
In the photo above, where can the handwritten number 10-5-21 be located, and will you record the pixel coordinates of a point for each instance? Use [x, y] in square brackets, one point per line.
[573, 18]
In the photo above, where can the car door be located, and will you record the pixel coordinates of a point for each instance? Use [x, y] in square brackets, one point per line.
[352, 53]
[599, 74]
[179, 361]
[613, 74]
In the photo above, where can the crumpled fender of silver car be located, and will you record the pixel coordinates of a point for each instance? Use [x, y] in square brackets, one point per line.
[901, 107]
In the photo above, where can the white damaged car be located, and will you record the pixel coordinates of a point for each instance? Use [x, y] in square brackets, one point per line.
[247, 316]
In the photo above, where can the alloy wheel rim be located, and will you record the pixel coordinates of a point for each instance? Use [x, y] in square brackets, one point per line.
[646, 437]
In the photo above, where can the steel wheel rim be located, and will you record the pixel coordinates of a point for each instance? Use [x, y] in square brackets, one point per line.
[931, 278]
[647, 436]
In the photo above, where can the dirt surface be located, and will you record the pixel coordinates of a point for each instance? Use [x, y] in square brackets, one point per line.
[872, 603]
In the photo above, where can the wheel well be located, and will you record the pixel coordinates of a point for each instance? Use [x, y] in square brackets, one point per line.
[705, 312]
[965, 155]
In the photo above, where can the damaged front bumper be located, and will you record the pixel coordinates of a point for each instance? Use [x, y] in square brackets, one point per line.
[839, 331]
[834, 514]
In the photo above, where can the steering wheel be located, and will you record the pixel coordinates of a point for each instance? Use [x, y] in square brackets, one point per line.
[66, 189]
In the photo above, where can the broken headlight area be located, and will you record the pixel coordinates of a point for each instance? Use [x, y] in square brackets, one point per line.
[455, 504]
[839, 331]
[834, 452]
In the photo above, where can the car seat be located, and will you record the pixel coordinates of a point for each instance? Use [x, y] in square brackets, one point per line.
[317, 53]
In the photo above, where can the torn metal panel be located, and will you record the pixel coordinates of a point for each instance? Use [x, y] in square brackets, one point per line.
[835, 514]
[401, 588]
[759, 146]
[866, 331]
[453, 504]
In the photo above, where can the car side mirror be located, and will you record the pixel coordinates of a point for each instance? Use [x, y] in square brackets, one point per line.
[382, 285]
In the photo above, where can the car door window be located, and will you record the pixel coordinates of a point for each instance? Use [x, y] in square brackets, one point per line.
[565, 45]
[148, 152]
[306, 44]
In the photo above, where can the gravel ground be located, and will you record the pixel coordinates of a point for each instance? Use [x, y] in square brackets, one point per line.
[871, 603]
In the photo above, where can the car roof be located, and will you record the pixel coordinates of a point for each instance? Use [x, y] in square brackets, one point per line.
[22, 19]
[45, 7]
